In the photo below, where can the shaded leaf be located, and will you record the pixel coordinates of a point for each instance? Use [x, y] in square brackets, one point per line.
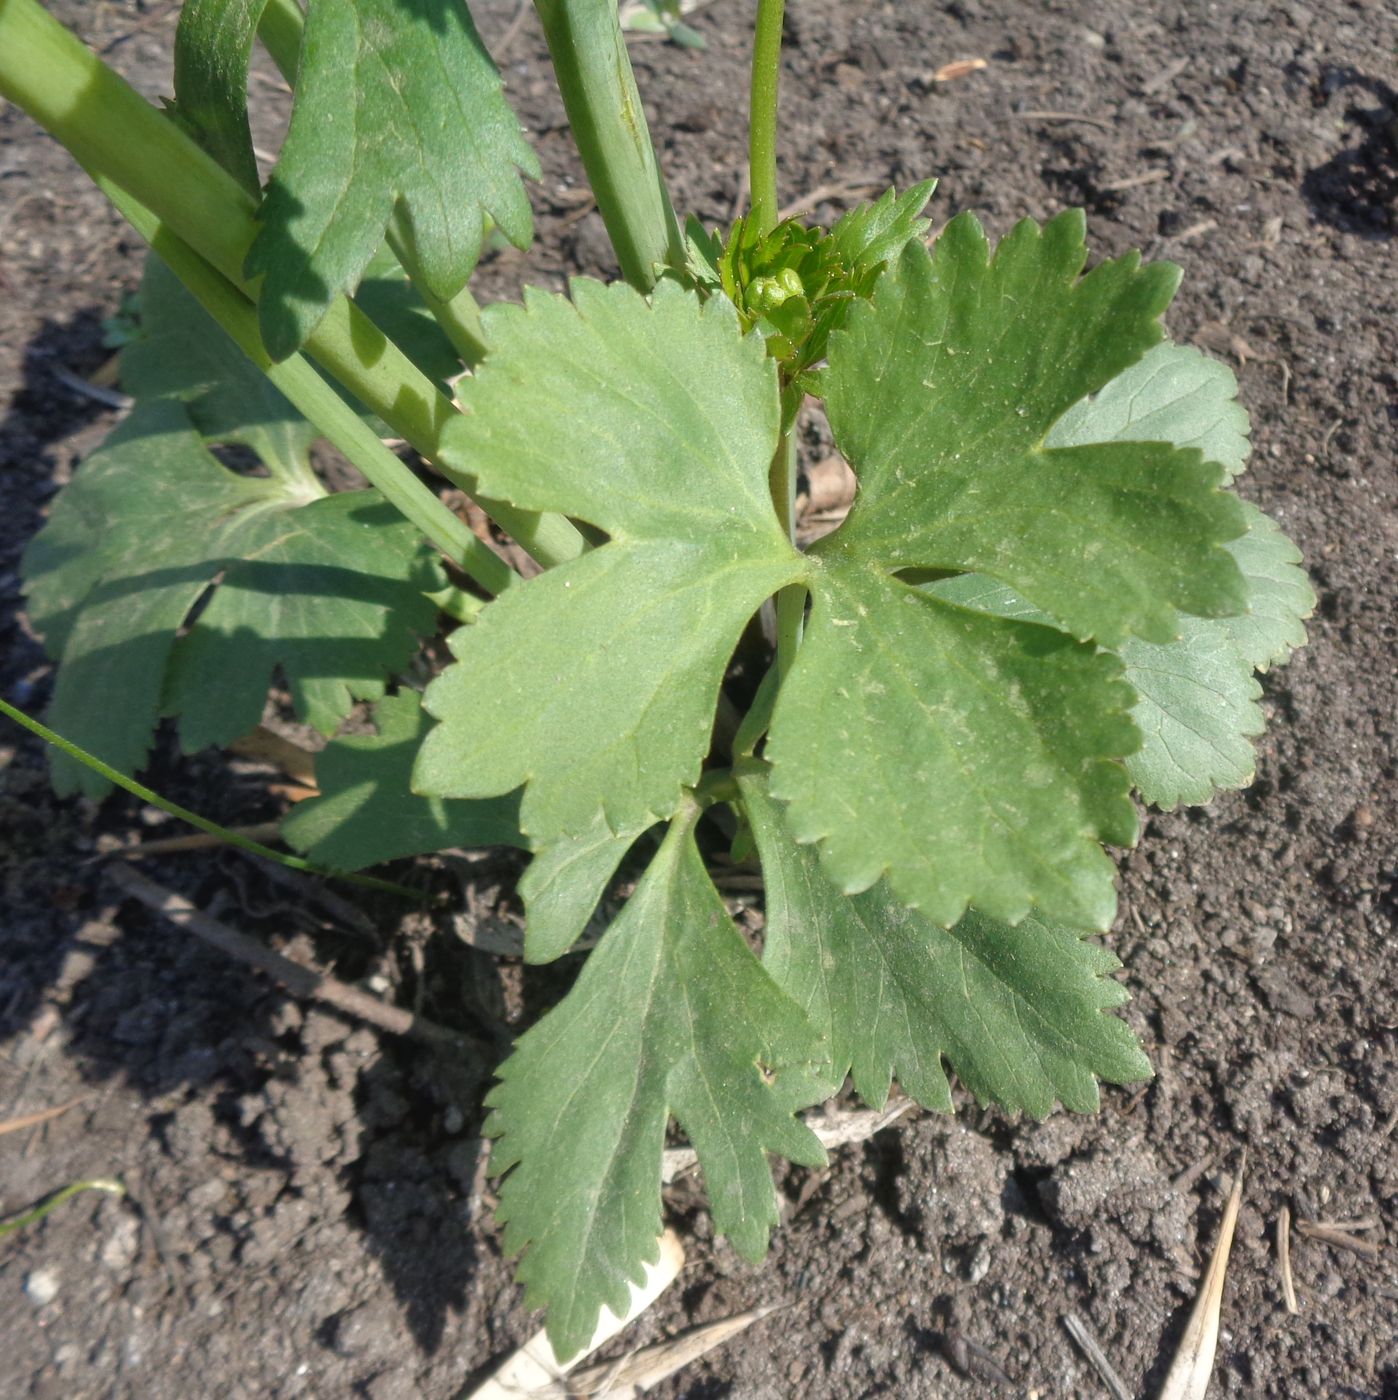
[398, 107]
[672, 1014]
[329, 587]
[563, 886]
[1016, 1011]
[367, 813]
[183, 353]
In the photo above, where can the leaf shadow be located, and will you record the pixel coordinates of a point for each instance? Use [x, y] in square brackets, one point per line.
[1357, 189]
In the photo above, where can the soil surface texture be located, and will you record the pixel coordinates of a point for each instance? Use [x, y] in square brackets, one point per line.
[307, 1213]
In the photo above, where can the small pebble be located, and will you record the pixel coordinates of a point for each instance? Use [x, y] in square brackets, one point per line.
[41, 1286]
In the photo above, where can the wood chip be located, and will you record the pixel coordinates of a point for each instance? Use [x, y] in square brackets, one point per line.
[269, 747]
[1284, 1259]
[1131, 182]
[1165, 77]
[1188, 1377]
[959, 68]
[1047, 116]
[535, 1369]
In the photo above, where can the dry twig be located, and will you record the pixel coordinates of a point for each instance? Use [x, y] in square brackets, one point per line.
[1087, 1344]
[299, 980]
[32, 1120]
[1333, 1233]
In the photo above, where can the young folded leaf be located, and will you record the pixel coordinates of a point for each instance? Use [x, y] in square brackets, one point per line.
[397, 107]
[672, 1014]
[1017, 1012]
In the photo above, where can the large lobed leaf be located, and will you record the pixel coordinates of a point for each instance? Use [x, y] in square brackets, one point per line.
[596, 683]
[672, 1014]
[973, 759]
[1015, 1010]
[398, 107]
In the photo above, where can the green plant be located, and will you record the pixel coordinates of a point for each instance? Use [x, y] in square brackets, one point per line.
[1044, 596]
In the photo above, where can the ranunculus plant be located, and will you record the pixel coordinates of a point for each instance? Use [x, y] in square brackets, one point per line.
[1045, 599]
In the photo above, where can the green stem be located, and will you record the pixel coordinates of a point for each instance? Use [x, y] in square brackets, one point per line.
[344, 428]
[459, 318]
[762, 112]
[604, 110]
[115, 132]
[31, 1217]
[791, 601]
[136, 789]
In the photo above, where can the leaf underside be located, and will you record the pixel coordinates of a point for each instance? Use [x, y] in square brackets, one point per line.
[671, 1014]
[398, 111]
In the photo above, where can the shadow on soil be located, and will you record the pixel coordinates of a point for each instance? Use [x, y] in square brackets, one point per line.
[1357, 190]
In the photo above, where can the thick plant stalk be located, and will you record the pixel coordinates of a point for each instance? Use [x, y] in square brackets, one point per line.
[604, 109]
[318, 401]
[115, 132]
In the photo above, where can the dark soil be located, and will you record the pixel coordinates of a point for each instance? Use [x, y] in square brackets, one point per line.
[306, 1212]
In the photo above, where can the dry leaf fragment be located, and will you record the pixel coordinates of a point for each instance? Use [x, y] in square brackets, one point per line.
[1284, 1260]
[958, 69]
[635, 1374]
[1188, 1377]
[534, 1369]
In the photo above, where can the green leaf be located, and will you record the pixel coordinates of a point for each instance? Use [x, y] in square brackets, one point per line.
[398, 107]
[367, 813]
[968, 757]
[563, 886]
[213, 44]
[332, 592]
[940, 394]
[183, 353]
[330, 588]
[1197, 709]
[1196, 705]
[1175, 394]
[1280, 596]
[873, 234]
[595, 684]
[672, 1014]
[1016, 1011]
